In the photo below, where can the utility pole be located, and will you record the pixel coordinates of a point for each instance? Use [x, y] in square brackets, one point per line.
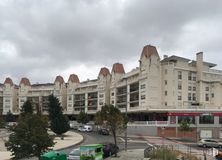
[126, 115]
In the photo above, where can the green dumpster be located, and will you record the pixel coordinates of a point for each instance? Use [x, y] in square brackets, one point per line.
[53, 155]
[91, 152]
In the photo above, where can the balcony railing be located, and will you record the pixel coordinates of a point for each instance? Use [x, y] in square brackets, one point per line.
[149, 123]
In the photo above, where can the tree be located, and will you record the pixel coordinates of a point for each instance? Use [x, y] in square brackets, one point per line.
[2, 122]
[185, 127]
[9, 117]
[29, 137]
[83, 118]
[112, 118]
[26, 108]
[58, 122]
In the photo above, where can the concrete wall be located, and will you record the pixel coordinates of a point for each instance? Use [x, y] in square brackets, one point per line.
[142, 130]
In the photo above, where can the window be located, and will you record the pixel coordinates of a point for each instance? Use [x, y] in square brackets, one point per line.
[189, 119]
[172, 119]
[207, 89]
[189, 88]
[112, 93]
[189, 97]
[165, 71]
[165, 103]
[98, 150]
[112, 102]
[212, 95]
[179, 74]
[101, 103]
[179, 85]
[194, 78]
[7, 100]
[101, 96]
[143, 96]
[143, 86]
[194, 96]
[194, 88]
[165, 82]
[189, 76]
[220, 119]
[206, 119]
[179, 96]
[207, 97]
[70, 97]
[165, 93]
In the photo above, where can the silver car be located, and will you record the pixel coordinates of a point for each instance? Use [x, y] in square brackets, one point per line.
[74, 154]
[209, 143]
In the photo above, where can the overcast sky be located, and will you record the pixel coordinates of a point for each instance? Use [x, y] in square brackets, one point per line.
[41, 39]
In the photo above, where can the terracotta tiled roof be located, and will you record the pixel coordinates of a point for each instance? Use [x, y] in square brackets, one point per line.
[104, 71]
[148, 50]
[25, 81]
[74, 78]
[59, 79]
[118, 68]
[8, 81]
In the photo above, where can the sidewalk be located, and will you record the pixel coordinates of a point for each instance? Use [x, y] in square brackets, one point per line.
[70, 139]
[135, 154]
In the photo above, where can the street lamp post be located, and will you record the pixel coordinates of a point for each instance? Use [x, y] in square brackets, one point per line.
[126, 115]
[126, 131]
[162, 132]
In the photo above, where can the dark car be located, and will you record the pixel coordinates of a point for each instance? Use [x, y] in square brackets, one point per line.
[109, 149]
[103, 131]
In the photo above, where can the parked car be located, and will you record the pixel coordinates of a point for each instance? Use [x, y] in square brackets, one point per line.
[109, 149]
[81, 129]
[103, 131]
[209, 143]
[73, 126]
[85, 128]
[74, 154]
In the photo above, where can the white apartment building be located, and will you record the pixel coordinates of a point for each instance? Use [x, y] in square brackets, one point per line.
[164, 91]
[88, 96]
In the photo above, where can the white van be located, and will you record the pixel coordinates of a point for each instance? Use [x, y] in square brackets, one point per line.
[85, 128]
[88, 128]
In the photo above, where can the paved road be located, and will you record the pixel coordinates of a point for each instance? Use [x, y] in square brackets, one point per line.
[133, 143]
[94, 137]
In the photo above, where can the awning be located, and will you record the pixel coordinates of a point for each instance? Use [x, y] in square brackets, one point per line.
[184, 113]
[217, 114]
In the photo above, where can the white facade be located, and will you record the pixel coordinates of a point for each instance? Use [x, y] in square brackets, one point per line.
[171, 84]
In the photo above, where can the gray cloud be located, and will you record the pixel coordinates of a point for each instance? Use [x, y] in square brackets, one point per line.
[51, 37]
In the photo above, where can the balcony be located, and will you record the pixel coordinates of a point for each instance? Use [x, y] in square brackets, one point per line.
[149, 123]
[121, 91]
[121, 105]
[93, 95]
[134, 87]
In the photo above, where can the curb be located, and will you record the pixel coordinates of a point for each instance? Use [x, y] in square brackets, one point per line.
[74, 145]
[178, 141]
